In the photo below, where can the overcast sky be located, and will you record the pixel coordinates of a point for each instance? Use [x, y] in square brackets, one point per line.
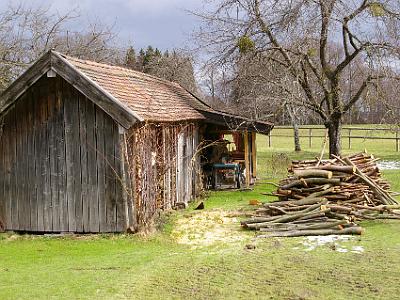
[162, 23]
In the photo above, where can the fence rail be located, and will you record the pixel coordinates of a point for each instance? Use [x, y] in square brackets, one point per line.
[347, 137]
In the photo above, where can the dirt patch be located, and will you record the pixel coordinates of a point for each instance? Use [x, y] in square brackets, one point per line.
[206, 228]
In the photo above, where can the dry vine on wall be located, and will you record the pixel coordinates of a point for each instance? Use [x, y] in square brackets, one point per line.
[153, 167]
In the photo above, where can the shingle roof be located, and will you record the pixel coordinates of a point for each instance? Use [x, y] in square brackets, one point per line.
[151, 98]
[127, 96]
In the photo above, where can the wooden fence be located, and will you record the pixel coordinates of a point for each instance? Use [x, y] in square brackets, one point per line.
[345, 137]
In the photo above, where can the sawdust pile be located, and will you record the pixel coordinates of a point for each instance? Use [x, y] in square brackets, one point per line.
[207, 228]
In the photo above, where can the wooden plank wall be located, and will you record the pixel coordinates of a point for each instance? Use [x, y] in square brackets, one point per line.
[59, 163]
[186, 167]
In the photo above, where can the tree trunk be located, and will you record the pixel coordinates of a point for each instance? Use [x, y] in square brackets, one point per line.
[293, 120]
[297, 146]
[334, 132]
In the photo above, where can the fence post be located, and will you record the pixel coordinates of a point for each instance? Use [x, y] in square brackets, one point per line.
[269, 140]
[397, 141]
[310, 137]
[349, 138]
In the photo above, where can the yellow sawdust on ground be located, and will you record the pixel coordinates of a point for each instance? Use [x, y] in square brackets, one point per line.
[208, 227]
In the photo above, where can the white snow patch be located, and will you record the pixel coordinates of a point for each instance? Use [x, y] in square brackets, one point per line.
[388, 165]
[334, 241]
[357, 249]
[342, 250]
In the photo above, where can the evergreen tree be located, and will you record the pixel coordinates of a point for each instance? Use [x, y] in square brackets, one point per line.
[130, 58]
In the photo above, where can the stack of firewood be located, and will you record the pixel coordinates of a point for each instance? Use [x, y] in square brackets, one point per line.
[326, 197]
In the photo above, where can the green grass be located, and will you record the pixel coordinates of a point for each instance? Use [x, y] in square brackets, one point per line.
[282, 141]
[158, 267]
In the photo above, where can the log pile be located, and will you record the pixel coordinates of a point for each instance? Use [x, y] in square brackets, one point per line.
[326, 197]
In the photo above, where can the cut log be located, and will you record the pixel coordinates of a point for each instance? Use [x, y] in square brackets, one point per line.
[316, 173]
[311, 226]
[342, 169]
[295, 233]
[296, 202]
[310, 181]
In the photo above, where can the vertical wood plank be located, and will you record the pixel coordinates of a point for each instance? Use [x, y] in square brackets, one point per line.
[92, 167]
[46, 170]
[166, 190]
[254, 153]
[2, 178]
[101, 162]
[110, 175]
[7, 170]
[84, 164]
[198, 170]
[61, 162]
[53, 140]
[41, 115]
[247, 158]
[72, 155]
[14, 175]
[76, 150]
[20, 183]
[24, 158]
[122, 181]
[31, 172]
[179, 165]
[189, 169]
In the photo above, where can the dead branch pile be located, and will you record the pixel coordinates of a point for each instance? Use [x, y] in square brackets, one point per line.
[326, 197]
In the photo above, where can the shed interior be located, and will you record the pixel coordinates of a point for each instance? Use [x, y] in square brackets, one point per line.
[228, 157]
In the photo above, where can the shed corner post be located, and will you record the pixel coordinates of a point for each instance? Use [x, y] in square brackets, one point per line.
[247, 157]
[254, 154]
[126, 182]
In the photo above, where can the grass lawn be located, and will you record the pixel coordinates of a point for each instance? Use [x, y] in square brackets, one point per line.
[203, 255]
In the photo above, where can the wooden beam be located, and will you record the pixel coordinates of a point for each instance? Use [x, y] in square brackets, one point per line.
[247, 157]
[254, 153]
[236, 123]
[126, 183]
[27, 79]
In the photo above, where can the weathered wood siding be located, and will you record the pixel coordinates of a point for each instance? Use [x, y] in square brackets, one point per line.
[59, 163]
[163, 169]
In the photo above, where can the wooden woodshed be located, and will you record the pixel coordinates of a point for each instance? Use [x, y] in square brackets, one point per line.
[88, 147]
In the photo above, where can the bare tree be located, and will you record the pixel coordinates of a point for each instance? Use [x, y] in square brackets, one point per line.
[27, 32]
[175, 66]
[315, 41]
[261, 89]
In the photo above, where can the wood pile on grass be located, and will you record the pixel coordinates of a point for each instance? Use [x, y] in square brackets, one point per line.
[326, 197]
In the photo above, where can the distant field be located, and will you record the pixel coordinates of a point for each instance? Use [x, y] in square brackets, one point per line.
[282, 145]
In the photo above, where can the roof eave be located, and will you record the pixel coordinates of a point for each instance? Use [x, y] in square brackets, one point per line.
[237, 123]
[117, 110]
[24, 81]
